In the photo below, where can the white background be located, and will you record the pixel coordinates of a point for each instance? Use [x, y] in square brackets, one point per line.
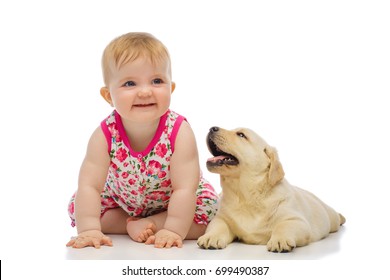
[311, 77]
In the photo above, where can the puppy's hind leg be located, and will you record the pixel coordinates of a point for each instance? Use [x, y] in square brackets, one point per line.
[289, 234]
[218, 235]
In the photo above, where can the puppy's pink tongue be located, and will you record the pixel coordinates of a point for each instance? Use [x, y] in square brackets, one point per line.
[215, 159]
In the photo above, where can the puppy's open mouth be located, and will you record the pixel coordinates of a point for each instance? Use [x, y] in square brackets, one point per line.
[220, 157]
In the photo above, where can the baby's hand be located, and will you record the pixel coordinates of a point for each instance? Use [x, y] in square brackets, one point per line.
[93, 238]
[165, 239]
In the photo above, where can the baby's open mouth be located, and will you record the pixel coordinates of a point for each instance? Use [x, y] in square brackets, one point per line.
[144, 105]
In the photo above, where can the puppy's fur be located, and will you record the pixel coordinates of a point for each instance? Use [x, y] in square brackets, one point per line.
[259, 206]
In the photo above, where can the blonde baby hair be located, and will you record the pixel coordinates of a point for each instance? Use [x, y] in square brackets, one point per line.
[130, 46]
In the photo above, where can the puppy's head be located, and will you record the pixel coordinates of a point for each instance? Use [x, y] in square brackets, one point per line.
[242, 152]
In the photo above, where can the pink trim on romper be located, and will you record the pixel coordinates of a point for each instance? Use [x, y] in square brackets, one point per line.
[122, 133]
[156, 138]
[107, 134]
[175, 131]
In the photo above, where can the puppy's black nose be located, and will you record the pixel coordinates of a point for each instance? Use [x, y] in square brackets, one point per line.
[214, 129]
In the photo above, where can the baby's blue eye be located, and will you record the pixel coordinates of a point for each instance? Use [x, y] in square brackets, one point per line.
[129, 84]
[157, 81]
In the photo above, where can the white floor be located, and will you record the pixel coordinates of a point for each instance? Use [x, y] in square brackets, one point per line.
[126, 249]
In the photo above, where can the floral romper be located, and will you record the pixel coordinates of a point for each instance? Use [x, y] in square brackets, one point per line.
[139, 182]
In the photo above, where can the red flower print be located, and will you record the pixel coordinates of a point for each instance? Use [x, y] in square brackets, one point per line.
[155, 164]
[121, 154]
[109, 203]
[114, 168]
[161, 150]
[134, 192]
[131, 181]
[125, 175]
[142, 166]
[162, 174]
[154, 168]
[204, 217]
[138, 211]
[71, 208]
[165, 197]
[165, 183]
[114, 132]
[158, 195]
[200, 220]
[111, 127]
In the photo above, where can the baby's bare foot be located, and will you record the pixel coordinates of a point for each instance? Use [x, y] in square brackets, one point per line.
[140, 229]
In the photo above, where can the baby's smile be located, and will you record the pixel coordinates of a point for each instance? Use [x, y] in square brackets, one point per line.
[146, 105]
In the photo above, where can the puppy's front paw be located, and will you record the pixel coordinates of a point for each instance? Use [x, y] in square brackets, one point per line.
[281, 245]
[209, 241]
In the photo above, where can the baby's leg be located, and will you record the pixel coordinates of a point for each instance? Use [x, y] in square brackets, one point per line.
[117, 221]
[140, 229]
[196, 231]
[113, 221]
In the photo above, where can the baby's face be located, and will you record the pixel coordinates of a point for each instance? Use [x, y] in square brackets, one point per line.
[141, 91]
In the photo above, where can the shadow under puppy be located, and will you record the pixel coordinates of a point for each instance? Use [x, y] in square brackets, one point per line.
[258, 205]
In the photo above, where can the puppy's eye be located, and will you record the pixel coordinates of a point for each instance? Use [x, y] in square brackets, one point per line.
[242, 135]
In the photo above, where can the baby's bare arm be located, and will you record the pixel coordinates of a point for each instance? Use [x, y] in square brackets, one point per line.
[92, 177]
[185, 174]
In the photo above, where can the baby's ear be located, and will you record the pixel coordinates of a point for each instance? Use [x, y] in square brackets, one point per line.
[276, 172]
[173, 86]
[105, 93]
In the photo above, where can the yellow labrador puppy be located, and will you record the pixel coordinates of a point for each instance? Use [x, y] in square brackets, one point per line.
[259, 206]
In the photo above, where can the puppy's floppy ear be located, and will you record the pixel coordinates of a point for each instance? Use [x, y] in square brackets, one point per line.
[276, 172]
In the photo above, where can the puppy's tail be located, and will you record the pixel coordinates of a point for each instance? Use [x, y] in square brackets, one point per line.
[342, 219]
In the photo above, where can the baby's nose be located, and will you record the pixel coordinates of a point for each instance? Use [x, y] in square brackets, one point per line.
[145, 92]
